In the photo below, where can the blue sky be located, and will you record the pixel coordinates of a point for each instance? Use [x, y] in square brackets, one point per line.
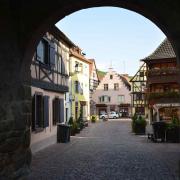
[112, 35]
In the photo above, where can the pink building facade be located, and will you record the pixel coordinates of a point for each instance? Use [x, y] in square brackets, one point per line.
[113, 94]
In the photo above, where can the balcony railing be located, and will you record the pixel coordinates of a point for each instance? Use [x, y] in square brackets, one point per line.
[163, 71]
[163, 75]
[163, 97]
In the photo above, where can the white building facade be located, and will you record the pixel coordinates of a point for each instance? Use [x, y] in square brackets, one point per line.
[113, 94]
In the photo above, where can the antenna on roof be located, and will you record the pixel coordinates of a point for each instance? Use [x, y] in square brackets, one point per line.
[124, 67]
[110, 67]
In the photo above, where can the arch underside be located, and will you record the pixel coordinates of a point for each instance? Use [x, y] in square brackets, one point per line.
[23, 23]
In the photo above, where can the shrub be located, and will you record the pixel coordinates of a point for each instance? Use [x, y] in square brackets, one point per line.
[70, 122]
[141, 121]
[175, 122]
[138, 124]
[134, 118]
[93, 118]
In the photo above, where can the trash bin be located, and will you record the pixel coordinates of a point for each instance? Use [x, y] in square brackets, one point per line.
[63, 133]
[159, 130]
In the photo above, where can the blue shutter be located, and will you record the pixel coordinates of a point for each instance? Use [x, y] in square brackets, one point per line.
[61, 110]
[52, 53]
[46, 111]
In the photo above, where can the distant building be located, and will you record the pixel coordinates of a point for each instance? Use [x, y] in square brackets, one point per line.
[139, 104]
[79, 84]
[93, 84]
[113, 94]
[163, 84]
[50, 77]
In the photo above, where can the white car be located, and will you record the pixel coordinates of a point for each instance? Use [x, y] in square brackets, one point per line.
[110, 115]
[113, 115]
[103, 116]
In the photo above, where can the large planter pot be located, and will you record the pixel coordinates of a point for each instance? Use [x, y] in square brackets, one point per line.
[173, 135]
[72, 131]
[139, 129]
[159, 129]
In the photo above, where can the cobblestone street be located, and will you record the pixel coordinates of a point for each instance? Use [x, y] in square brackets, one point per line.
[107, 151]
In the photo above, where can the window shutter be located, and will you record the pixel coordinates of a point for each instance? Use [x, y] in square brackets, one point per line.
[103, 98]
[54, 111]
[62, 65]
[61, 110]
[33, 117]
[79, 87]
[52, 53]
[46, 111]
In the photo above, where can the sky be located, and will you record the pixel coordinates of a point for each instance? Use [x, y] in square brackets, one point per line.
[112, 36]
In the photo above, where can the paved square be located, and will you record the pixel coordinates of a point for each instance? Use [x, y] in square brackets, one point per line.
[107, 151]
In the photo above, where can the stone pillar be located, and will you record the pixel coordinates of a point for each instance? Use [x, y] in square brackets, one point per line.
[15, 106]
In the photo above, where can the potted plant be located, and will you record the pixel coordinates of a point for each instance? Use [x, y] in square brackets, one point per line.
[139, 125]
[75, 127]
[173, 130]
[134, 118]
[93, 118]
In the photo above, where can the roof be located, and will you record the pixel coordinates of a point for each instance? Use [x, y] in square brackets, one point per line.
[125, 81]
[60, 35]
[74, 53]
[164, 51]
[92, 61]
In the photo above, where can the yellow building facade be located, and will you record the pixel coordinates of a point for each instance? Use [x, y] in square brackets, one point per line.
[79, 84]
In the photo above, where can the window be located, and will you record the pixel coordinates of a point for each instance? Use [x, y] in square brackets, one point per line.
[78, 67]
[111, 76]
[141, 74]
[121, 99]
[42, 52]
[58, 110]
[45, 52]
[139, 96]
[105, 87]
[140, 110]
[58, 61]
[76, 83]
[81, 88]
[116, 86]
[40, 112]
[166, 88]
[104, 99]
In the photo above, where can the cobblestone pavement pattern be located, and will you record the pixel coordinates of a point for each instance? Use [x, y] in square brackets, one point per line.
[107, 151]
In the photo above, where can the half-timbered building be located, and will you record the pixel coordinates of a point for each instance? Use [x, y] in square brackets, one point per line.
[50, 78]
[93, 84]
[138, 81]
[163, 84]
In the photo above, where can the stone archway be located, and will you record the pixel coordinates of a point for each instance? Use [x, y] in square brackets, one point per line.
[22, 25]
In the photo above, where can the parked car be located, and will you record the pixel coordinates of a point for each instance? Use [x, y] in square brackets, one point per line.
[113, 115]
[110, 115]
[104, 115]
